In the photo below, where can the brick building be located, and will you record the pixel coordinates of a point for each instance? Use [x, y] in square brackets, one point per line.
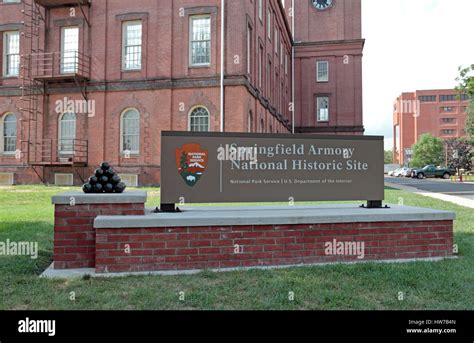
[328, 67]
[86, 81]
[442, 113]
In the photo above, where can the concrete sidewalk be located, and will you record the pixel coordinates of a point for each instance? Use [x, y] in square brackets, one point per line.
[445, 197]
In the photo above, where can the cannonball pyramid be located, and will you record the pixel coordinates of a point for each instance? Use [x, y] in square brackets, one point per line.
[104, 180]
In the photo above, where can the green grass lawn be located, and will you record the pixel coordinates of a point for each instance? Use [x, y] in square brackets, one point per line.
[465, 178]
[26, 214]
[468, 178]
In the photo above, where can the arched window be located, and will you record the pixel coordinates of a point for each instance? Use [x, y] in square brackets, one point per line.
[9, 133]
[199, 120]
[130, 131]
[67, 133]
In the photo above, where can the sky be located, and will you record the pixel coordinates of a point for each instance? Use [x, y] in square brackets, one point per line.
[411, 45]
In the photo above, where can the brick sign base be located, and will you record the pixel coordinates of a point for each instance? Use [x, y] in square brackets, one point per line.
[118, 237]
[246, 246]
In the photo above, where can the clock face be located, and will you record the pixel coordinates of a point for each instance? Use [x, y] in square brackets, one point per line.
[322, 4]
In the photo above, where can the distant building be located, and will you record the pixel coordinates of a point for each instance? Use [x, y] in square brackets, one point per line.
[442, 113]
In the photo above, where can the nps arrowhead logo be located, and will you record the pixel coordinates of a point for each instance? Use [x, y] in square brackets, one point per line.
[191, 161]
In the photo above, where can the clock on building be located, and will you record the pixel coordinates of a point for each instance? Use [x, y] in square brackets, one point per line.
[322, 4]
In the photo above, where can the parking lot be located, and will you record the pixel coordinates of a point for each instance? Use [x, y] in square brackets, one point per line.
[463, 190]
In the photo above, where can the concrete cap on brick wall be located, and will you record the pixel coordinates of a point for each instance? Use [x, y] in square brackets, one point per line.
[273, 215]
[131, 197]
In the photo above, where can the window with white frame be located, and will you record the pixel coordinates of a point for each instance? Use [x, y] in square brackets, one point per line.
[322, 71]
[282, 96]
[249, 49]
[199, 120]
[322, 108]
[276, 42]
[200, 40]
[132, 45]
[130, 127]
[277, 91]
[281, 51]
[11, 1]
[269, 78]
[69, 50]
[269, 23]
[448, 132]
[9, 133]
[250, 122]
[260, 9]
[11, 53]
[67, 133]
[260, 67]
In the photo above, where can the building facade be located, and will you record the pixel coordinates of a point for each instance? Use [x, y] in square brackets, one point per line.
[441, 113]
[86, 81]
[328, 67]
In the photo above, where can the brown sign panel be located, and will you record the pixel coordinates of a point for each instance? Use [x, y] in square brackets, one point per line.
[238, 167]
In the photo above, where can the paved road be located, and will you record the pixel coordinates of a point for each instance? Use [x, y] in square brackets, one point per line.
[463, 190]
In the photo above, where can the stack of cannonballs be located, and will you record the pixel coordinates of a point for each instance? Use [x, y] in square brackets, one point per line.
[105, 180]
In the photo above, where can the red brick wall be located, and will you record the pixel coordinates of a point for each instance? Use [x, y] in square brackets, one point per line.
[344, 87]
[343, 21]
[74, 233]
[165, 58]
[333, 35]
[213, 247]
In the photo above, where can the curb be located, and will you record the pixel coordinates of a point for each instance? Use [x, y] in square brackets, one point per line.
[445, 197]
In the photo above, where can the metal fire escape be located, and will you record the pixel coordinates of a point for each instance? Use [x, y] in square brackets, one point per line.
[31, 90]
[38, 70]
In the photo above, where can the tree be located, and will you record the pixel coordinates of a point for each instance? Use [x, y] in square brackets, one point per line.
[470, 119]
[183, 162]
[388, 157]
[460, 153]
[428, 150]
[465, 85]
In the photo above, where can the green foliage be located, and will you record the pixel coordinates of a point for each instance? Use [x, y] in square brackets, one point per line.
[465, 80]
[469, 128]
[428, 150]
[465, 85]
[388, 159]
[460, 153]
